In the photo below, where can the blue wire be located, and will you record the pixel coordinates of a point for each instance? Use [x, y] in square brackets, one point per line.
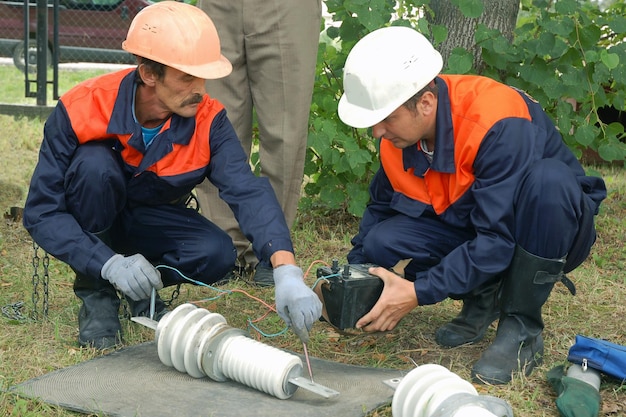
[249, 321]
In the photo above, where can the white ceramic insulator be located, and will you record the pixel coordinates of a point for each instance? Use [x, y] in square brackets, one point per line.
[259, 366]
[424, 389]
[201, 343]
[473, 411]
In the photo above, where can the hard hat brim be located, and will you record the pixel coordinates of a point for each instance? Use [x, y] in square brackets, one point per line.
[358, 117]
[210, 71]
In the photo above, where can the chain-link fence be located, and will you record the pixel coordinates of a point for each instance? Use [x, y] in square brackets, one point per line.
[87, 30]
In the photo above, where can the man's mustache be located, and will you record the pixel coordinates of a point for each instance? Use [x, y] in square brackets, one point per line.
[195, 99]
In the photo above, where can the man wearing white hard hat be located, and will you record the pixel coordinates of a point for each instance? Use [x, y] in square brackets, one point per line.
[476, 189]
[120, 156]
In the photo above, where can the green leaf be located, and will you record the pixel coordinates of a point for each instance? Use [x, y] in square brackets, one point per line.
[470, 8]
[546, 43]
[591, 56]
[358, 196]
[618, 24]
[610, 60]
[589, 36]
[460, 61]
[585, 135]
[615, 129]
[611, 152]
[440, 34]
[563, 26]
[565, 7]
[331, 192]
[332, 32]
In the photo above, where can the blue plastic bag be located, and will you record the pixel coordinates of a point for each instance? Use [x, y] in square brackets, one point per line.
[604, 356]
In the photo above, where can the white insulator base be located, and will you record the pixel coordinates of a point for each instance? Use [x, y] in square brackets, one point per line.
[423, 390]
[473, 411]
[200, 343]
[259, 366]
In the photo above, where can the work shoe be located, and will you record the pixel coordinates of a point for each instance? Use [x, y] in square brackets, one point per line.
[141, 308]
[98, 321]
[518, 346]
[235, 273]
[480, 309]
[263, 276]
[508, 356]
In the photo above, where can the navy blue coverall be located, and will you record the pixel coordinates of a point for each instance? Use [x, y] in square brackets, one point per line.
[85, 182]
[528, 190]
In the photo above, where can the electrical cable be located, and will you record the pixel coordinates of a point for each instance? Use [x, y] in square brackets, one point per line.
[221, 292]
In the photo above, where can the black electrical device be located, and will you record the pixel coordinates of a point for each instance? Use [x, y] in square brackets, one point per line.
[349, 292]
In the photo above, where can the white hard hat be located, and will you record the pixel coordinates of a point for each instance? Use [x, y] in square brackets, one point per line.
[383, 70]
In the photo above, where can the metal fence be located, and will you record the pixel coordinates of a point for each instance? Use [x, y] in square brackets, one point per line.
[77, 30]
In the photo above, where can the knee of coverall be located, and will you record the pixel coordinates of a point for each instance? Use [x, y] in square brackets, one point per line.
[210, 265]
[95, 188]
[183, 242]
[424, 240]
[549, 208]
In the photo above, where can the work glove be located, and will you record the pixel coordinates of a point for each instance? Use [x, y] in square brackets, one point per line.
[296, 303]
[132, 275]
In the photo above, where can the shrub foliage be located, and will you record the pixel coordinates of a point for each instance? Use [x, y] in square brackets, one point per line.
[567, 54]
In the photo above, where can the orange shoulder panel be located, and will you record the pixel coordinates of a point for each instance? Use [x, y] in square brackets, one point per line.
[90, 104]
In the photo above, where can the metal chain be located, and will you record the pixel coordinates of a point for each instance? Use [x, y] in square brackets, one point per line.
[14, 311]
[35, 279]
[175, 294]
[45, 281]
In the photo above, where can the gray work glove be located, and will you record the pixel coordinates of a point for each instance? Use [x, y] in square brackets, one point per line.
[132, 275]
[296, 303]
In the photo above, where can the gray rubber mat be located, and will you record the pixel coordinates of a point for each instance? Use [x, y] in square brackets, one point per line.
[132, 382]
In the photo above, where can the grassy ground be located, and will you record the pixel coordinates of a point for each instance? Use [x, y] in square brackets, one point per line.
[30, 348]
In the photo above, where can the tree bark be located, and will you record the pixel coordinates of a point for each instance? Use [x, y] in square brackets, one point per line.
[497, 14]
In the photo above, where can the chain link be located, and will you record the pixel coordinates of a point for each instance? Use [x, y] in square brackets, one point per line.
[46, 282]
[175, 294]
[35, 280]
[14, 311]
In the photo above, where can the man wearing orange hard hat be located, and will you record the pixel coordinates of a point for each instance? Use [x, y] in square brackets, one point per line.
[120, 156]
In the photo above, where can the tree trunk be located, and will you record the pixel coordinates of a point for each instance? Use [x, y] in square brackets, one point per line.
[497, 14]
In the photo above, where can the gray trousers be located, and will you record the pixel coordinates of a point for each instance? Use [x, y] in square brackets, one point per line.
[272, 45]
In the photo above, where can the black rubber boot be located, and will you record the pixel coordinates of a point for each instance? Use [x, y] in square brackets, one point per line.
[263, 276]
[141, 308]
[518, 346]
[480, 309]
[98, 320]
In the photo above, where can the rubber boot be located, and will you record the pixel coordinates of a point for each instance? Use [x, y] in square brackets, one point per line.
[98, 320]
[480, 309]
[141, 308]
[518, 346]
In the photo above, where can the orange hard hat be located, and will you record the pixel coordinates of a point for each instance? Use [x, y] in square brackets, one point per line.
[180, 36]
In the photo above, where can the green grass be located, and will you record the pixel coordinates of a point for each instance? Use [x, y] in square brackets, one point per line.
[14, 86]
[30, 348]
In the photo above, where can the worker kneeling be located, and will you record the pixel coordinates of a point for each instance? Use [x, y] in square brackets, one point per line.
[120, 156]
[476, 189]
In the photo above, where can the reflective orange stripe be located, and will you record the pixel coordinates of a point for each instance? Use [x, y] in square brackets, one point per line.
[90, 109]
